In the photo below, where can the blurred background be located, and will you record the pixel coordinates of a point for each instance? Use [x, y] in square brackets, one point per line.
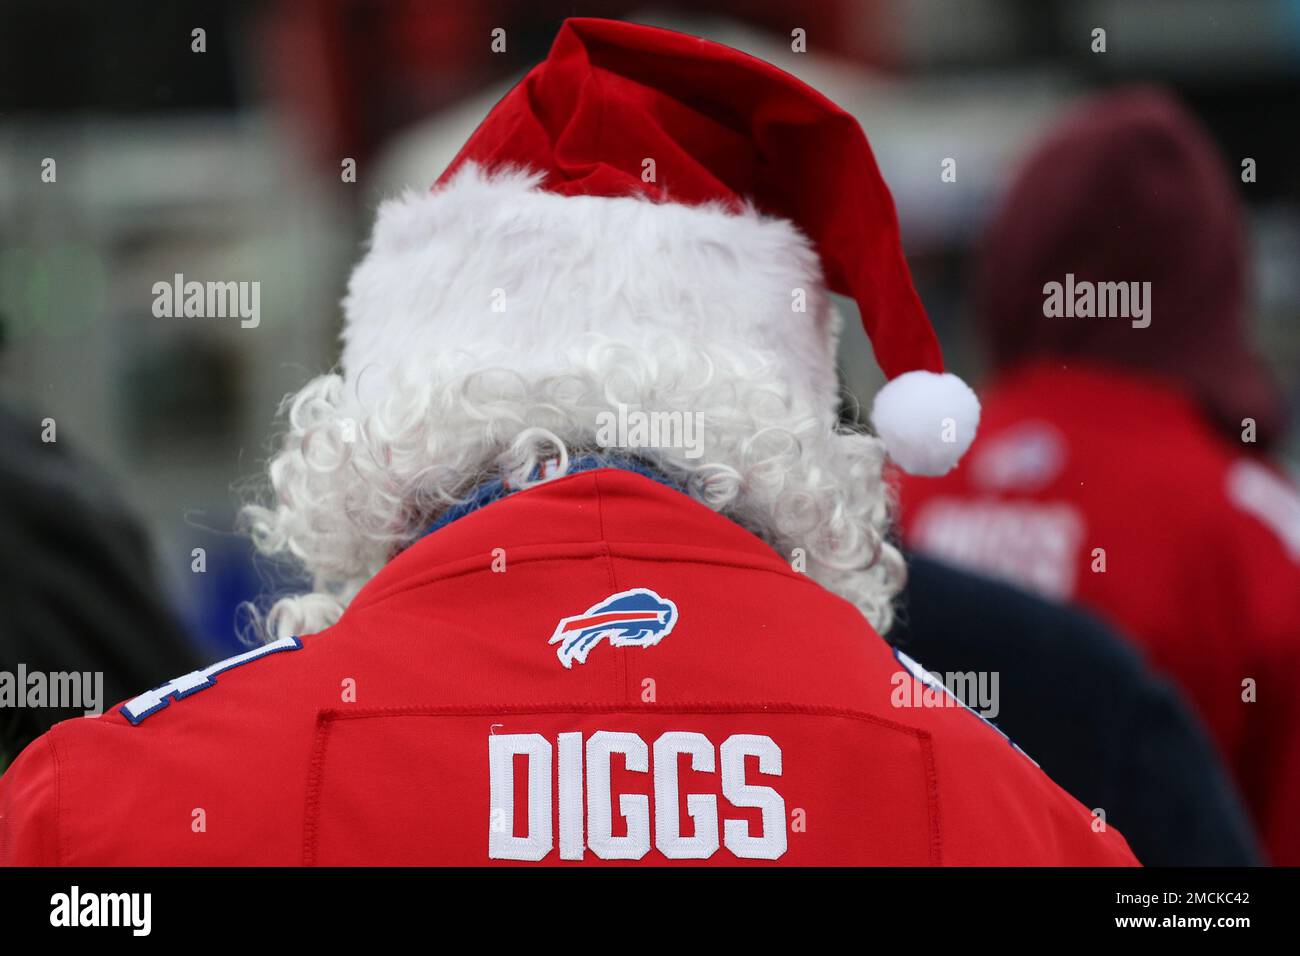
[229, 164]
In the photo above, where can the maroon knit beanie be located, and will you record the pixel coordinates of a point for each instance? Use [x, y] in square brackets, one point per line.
[1129, 188]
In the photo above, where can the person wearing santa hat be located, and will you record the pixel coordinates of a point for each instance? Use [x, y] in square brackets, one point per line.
[1121, 459]
[594, 575]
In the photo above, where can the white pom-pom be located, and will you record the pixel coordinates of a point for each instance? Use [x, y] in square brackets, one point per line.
[927, 421]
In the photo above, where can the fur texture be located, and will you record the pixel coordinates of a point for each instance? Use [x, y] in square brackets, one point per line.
[504, 271]
[927, 420]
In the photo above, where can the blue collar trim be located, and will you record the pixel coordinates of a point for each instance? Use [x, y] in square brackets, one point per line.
[496, 488]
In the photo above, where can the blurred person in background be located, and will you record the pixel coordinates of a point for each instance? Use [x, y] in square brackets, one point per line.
[1121, 457]
[1140, 761]
[78, 595]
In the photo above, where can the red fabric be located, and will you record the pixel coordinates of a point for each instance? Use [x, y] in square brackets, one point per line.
[1205, 587]
[721, 126]
[445, 653]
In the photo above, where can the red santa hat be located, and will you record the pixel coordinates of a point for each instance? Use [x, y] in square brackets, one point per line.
[640, 177]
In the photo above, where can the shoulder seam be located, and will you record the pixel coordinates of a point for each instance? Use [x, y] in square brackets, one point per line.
[59, 830]
[932, 795]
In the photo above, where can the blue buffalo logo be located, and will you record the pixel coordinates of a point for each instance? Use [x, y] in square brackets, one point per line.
[635, 618]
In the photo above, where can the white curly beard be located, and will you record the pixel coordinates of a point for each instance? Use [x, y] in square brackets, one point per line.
[345, 508]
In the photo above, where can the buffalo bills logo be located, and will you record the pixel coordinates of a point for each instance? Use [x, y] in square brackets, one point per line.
[635, 618]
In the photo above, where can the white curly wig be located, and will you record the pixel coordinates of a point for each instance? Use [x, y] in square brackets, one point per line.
[489, 327]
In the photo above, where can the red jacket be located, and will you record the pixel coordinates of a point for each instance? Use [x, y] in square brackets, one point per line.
[1098, 486]
[597, 668]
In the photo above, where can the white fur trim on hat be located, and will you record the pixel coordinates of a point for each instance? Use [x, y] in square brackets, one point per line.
[927, 421]
[492, 266]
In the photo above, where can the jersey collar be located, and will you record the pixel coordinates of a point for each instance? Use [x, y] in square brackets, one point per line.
[596, 512]
[495, 489]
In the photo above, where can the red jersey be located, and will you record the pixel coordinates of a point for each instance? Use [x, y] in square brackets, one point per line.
[596, 669]
[1101, 487]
